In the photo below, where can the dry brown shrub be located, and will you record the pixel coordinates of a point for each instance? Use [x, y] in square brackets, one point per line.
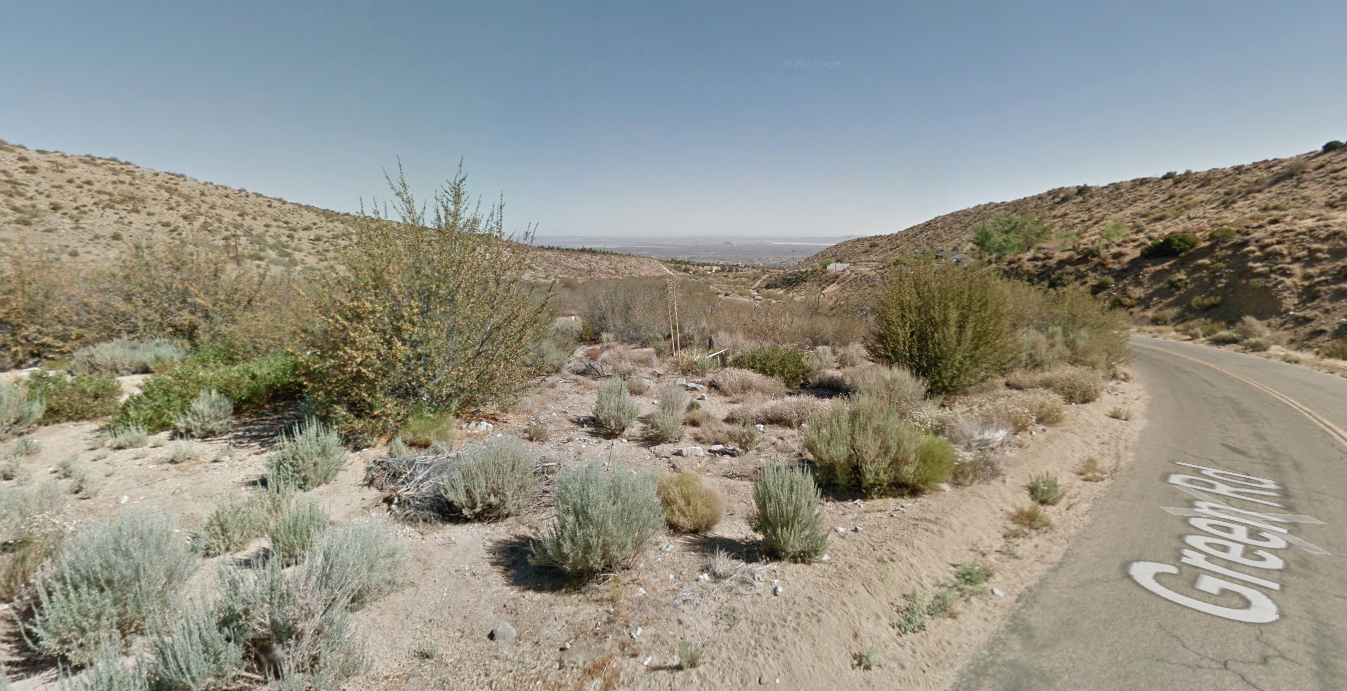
[736, 383]
[791, 411]
[1074, 384]
[698, 417]
[694, 503]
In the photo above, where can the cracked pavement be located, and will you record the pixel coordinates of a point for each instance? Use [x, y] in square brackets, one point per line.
[1088, 625]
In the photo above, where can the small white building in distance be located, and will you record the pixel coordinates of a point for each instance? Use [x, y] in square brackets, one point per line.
[838, 266]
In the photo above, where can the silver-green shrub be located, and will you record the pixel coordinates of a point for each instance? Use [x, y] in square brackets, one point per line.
[615, 410]
[296, 527]
[208, 415]
[126, 356]
[365, 560]
[893, 384]
[107, 581]
[491, 482]
[604, 519]
[193, 653]
[108, 672]
[18, 410]
[789, 516]
[234, 523]
[310, 457]
[131, 436]
[666, 424]
[864, 444]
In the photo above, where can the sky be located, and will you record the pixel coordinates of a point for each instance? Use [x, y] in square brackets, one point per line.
[681, 118]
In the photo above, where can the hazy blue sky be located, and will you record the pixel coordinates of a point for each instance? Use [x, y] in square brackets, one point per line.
[703, 118]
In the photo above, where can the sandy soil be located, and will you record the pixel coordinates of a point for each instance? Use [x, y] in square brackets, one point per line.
[625, 632]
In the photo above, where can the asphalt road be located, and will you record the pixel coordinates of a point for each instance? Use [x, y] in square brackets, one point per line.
[1253, 609]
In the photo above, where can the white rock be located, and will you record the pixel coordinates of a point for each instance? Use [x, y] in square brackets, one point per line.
[824, 558]
[840, 529]
[704, 578]
[857, 529]
[997, 592]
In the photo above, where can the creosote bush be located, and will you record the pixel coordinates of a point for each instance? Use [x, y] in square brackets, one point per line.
[614, 411]
[107, 582]
[425, 311]
[788, 514]
[208, 415]
[127, 356]
[604, 520]
[951, 326]
[863, 444]
[491, 482]
[309, 457]
[694, 504]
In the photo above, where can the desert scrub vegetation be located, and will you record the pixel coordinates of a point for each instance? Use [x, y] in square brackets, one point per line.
[787, 364]
[73, 398]
[19, 410]
[492, 481]
[424, 429]
[666, 424]
[1045, 490]
[1031, 517]
[864, 444]
[791, 411]
[208, 415]
[693, 503]
[308, 457]
[789, 515]
[1171, 245]
[893, 384]
[297, 525]
[128, 436]
[106, 583]
[537, 430]
[125, 356]
[29, 532]
[951, 326]
[425, 311]
[604, 520]
[1073, 384]
[250, 385]
[237, 521]
[614, 409]
[736, 383]
[1006, 235]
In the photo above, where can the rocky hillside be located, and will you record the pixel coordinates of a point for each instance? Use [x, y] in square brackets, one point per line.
[1271, 242]
[85, 208]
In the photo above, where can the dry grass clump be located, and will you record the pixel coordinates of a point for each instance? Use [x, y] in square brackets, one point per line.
[736, 383]
[791, 411]
[693, 503]
[127, 356]
[638, 385]
[208, 415]
[788, 514]
[698, 417]
[537, 430]
[107, 582]
[491, 482]
[1032, 517]
[694, 362]
[742, 436]
[624, 362]
[850, 355]
[604, 520]
[1120, 413]
[311, 456]
[1015, 410]
[864, 444]
[614, 410]
[1090, 470]
[1073, 384]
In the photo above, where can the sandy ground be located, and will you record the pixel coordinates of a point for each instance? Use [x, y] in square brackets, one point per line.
[464, 578]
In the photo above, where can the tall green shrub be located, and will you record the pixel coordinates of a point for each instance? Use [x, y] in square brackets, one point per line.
[426, 311]
[775, 361]
[948, 325]
[70, 399]
[864, 444]
[788, 513]
[604, 520]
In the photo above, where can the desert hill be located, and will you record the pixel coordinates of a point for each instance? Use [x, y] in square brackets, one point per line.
[1272, 234]
[86, 208]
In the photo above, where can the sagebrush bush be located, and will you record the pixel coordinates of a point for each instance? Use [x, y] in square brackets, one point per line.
[735, 382]
[693, 503]
[311, 456]
[70, 399]
[788, 514]
[614, 411]
[788, 364]
[295, 528]
[850, 355]
[1073, 384]
[30, 532]
[235, 522]
[604, 520]
[193, 653]
[1044, 489]
[209, 414]
[363, 559]
[251, 385]
[107, 671]
[665, 427]
[893, 384]
[107, 582]
[948, 325]
[127, 356]
[425, 311]
[130, 436]
[491, 482]
[864, 444]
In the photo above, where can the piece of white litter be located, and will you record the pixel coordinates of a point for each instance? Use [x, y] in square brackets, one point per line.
[646, 663]
[636, 633]
[824, 558]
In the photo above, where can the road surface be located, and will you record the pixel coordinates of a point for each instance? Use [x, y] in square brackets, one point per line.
[1214, 596]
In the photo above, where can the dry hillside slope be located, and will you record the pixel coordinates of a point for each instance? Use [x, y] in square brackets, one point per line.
[85, 208]
[1273, 244]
